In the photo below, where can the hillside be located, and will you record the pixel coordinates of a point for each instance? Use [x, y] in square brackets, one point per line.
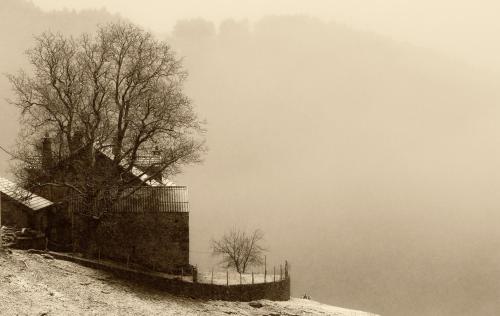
[34, 285]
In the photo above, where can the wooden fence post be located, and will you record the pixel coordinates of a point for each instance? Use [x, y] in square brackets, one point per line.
[274, 273]
[195, 274]
[281, 272]
[252, 278]
[1, 244]
[265, 269]
[240, 279]
[212, 282]
[73, 229]
[227, 277]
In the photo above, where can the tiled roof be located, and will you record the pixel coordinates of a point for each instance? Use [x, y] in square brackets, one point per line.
[139, 173]
[142, 161]
[146, 161]
[23, 196]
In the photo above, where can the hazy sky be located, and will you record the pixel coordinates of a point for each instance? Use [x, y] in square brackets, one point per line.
[464, 29]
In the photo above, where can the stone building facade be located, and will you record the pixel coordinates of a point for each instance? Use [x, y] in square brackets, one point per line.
[149, 228]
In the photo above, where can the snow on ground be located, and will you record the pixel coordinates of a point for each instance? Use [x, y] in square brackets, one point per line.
[31, 284]
[234, 277]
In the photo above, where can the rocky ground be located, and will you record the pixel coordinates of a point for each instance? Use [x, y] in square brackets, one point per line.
[36, 284]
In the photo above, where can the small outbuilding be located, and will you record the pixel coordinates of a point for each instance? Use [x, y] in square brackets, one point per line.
[25, 212]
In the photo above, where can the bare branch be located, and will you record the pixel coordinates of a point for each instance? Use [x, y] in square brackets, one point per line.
[119, 88]
[239, 250]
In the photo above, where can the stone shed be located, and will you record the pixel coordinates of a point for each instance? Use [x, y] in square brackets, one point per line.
[21, 209]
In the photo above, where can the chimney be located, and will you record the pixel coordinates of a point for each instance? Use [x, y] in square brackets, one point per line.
[76, 141]
[156, 152]
[47, 159]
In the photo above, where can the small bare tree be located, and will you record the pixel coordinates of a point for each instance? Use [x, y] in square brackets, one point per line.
[239, 249]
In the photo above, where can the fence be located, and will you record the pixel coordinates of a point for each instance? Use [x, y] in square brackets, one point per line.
[144, 199]
[226, 277]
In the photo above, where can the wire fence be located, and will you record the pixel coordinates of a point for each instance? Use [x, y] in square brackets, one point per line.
[228, 277]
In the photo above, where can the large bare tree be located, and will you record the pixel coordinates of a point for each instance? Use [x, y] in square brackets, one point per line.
[240, 250]
[118, 92]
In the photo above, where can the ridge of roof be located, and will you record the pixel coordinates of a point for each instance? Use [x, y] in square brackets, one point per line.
[137, 172]
[143, 176]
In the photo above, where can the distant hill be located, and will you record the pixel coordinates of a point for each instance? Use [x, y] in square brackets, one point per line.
[20, 21]
[372, 165]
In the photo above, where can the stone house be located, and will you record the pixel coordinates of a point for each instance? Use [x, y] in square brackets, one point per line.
[149, 228]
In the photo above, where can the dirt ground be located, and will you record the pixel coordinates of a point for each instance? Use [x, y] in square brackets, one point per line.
[35, 284]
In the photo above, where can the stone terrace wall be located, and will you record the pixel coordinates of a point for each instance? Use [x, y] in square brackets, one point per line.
[277, 291]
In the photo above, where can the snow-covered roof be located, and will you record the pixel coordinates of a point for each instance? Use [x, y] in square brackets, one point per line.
[144, 177]
[23, 196]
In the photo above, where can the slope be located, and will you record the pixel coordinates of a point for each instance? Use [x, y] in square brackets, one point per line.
[36, 285]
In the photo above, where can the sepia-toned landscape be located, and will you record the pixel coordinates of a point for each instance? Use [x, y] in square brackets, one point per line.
[361, 139]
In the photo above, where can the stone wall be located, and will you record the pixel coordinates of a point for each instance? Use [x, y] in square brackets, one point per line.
[276, 291]
[154, 240]
[14, 214]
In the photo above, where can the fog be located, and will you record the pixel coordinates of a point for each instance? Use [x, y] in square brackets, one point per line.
[462, 29]
[371, 164]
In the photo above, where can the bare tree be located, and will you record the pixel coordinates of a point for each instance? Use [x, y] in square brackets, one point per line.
[118, 92]
[239, 249]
